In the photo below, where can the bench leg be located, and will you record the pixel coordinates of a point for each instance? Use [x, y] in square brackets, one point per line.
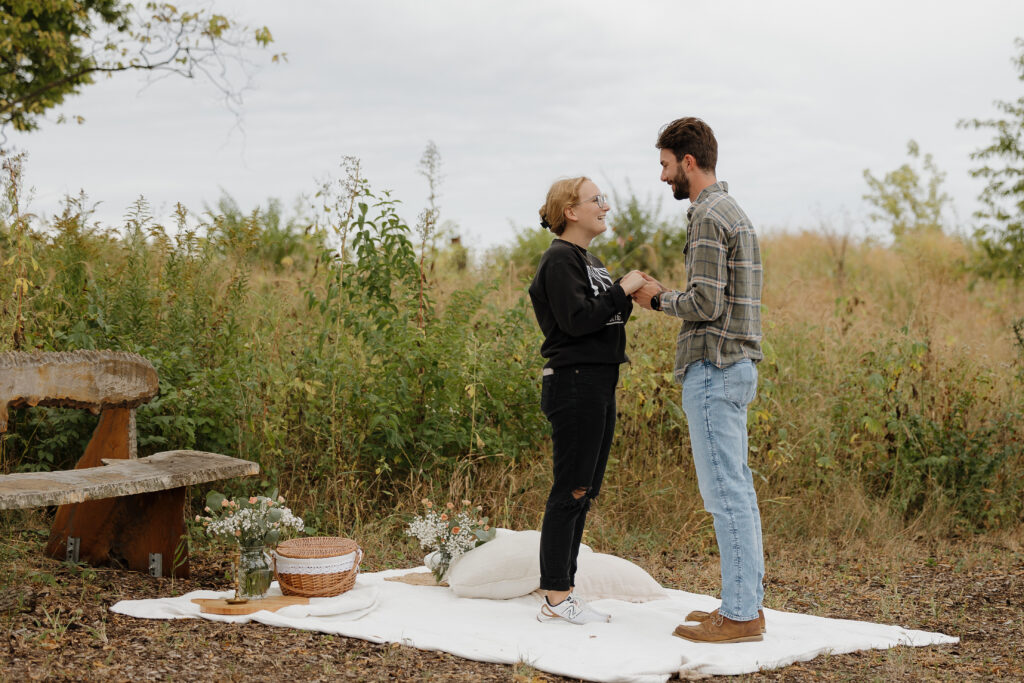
[129, 527]
[152, 523]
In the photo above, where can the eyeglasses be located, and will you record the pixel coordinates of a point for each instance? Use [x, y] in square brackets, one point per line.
[599, 199]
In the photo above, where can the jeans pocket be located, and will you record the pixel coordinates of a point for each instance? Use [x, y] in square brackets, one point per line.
[740, 380]
[547, 388]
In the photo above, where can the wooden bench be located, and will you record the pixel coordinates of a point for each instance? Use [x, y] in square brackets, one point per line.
[113, 505]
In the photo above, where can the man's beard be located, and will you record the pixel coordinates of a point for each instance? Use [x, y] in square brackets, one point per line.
[681, 186]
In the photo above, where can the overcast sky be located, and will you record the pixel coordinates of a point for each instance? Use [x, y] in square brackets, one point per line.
[803, 96]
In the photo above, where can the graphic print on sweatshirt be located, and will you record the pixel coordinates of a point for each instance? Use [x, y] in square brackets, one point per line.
[601, 281]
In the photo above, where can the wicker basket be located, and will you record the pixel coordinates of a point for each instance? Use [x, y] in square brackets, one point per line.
[317, 566]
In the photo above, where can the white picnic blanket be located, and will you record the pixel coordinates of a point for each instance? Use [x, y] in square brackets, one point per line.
[637, 645]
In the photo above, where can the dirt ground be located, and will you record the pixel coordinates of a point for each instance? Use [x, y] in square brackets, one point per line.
[57, 625]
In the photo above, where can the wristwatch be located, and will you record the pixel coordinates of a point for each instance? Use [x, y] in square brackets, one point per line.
[656, 302]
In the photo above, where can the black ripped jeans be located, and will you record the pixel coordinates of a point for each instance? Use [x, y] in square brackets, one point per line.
[579, 402]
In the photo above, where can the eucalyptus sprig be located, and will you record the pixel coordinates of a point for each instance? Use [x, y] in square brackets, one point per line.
[256, 520]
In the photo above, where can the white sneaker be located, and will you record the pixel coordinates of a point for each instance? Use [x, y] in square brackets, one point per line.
[572, 610]
[601, 616]
[586, 606]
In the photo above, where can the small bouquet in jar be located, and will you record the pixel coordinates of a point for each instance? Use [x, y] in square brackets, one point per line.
[254, 523]
[449, 533]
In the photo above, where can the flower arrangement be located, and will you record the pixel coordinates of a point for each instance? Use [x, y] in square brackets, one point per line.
[449, 533]
[252, 521]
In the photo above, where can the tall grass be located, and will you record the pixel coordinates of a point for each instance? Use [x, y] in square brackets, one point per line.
[890, 394]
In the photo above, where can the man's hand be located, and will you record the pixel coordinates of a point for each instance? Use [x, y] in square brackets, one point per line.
[643, 295]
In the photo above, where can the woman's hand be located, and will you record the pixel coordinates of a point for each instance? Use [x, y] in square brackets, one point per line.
[661, 287]
[633, 281]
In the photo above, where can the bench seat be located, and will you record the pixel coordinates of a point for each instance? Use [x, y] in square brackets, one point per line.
[113, 507]
[117, 477]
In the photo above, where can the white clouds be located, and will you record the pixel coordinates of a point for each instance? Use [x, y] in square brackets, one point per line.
[803, 97]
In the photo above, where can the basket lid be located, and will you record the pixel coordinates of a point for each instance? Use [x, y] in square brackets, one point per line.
[316, 546]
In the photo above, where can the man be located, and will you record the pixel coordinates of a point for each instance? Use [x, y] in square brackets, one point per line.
[717, 350]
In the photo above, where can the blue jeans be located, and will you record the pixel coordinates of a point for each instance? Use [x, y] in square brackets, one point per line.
[715, 402]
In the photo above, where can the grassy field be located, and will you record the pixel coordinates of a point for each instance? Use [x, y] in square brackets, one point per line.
[886, 436]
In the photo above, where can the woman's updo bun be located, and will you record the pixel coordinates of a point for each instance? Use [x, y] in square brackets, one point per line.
[563, 194]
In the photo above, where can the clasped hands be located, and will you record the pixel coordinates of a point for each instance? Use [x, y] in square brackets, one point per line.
[641, 287]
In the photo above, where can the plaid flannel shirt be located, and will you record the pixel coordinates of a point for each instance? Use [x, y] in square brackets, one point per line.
[721, 306]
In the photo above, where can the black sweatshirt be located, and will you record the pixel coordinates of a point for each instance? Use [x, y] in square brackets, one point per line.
[581, 312]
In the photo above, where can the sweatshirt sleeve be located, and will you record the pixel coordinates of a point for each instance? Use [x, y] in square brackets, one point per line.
[576, 310]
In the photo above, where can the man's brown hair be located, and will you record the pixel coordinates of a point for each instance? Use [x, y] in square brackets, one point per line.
[690, 135]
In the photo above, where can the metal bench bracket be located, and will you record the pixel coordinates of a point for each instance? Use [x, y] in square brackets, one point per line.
[156, 565]
[74, 545]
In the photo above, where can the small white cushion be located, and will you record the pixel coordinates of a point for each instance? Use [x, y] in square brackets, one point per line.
[600, 577]
[506, 567]
[509, 566]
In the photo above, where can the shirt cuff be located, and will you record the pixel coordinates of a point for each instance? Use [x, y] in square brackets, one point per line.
[666, 299]
[619, 297]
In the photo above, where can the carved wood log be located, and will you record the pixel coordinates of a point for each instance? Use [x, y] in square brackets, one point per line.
[87, 520]
[75, 379]
[126, 530]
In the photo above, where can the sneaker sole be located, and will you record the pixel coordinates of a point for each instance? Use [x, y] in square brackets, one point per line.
[556, 619]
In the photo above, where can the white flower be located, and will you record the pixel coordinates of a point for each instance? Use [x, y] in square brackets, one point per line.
[451, 537]
[249, 522]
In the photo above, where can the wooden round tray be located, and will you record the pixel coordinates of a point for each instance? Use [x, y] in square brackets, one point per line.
[271, 604]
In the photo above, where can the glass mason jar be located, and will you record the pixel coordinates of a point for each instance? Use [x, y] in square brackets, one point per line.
[438, 562]
[252, 572]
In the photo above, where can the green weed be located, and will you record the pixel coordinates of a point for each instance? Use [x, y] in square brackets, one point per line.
[362, 373]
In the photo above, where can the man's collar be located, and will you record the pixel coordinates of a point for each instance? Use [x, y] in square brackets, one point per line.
[719, 186]
[714, 188]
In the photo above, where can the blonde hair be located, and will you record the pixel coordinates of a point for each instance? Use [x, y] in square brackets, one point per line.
[564, 193]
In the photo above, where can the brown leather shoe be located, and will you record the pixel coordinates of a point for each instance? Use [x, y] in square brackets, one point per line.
[719, 629]
[697, 615]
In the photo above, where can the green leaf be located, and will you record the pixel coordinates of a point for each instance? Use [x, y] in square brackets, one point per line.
[215, 500]
[872, 425]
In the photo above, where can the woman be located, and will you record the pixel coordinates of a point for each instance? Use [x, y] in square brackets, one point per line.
[583, 315]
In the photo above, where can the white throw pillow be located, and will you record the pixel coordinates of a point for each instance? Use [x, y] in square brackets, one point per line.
[506, 567]
[600, 576]
[509, 567]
